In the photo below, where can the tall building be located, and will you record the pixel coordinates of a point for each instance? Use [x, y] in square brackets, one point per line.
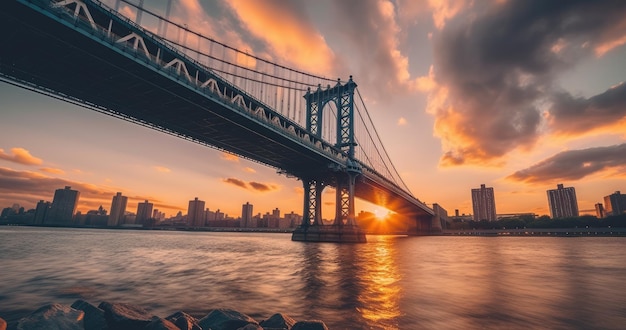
[484, 203]
[41, 211]
[562, 202]
[615, 203]
[118, 209]
[63, 206]
[600, 211]
[196, 213]
[246, 216]
[144, 212]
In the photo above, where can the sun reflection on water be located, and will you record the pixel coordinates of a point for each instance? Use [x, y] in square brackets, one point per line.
[380, 297]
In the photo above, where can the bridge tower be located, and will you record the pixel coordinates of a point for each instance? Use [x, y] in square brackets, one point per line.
[344, 227]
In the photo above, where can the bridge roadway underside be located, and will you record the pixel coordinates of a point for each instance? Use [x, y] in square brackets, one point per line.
[36, 49]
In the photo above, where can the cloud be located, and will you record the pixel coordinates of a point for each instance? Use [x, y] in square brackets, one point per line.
[230, 157]
[574, 165]
[371, 30]
[263, 187]
[20, 156]
[495, 70]
[402, 121]
[576, 115]
[236, 182]
[287, 30]
[256, 186]
[52, 170]
[161, 169]
[249, 170]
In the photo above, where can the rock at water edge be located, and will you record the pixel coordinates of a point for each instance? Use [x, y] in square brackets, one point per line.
[278, 321]
[158, 323]
[125, 316]
[184, 321]
[94, 316]
[225, 319]
[52, 317]
[309, 325]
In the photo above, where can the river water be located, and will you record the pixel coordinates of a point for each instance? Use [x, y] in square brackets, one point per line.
[388, 283]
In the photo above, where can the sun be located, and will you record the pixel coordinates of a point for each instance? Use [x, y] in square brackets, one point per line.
[381, 213]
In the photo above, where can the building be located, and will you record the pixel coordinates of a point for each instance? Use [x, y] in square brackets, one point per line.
[118, 209]
[144, 212]
[41, 211]
[562, 202]
[246, 216]
[600, 213]
[63, 207]
[615, 204]
[484, 203]
[195, 213]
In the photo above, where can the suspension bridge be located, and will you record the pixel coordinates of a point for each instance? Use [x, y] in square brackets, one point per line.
[146, 68]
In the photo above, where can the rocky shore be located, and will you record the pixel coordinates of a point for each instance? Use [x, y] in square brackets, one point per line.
[113, 316]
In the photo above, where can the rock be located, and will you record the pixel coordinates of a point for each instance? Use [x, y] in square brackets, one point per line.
[94, 316]
[158, 323]
[3, 324]
[53, 317]
[309, 325]
[251, 326]
[124, 316]
[184, 321]
[278, 321]
[225, 319]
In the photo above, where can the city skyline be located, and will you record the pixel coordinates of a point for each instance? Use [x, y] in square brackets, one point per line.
[414, 79]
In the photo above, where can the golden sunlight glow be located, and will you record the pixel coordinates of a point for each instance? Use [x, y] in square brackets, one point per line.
[293, 41]
[380, 298]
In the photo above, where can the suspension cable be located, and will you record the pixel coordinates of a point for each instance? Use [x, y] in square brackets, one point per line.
[381, 143]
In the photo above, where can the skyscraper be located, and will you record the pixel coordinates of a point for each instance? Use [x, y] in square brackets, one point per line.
[118, 208]
[562, 202]
[144, 212]
[195, 213]
[63, 206]
[600, 211]
[484, 203]
[615, 203]
[246, 216]
[41, 211]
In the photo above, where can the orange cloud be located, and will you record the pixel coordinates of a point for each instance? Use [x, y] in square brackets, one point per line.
[230, 157]
[402, 121]
[161, 169]
[52, 170]
[20, 156]
[249, 170]
[257, 186]
[444, 10]
[289, 36]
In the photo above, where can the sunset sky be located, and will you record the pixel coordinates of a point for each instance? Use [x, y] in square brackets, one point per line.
[518, 95]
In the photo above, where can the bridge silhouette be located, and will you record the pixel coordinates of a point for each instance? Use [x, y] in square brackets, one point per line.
[160, 74]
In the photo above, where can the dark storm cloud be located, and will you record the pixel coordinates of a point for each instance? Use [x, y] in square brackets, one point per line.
[578, 115]
[498, 61]
[573, 165]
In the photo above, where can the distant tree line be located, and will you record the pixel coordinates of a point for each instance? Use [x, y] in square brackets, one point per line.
[618, 221]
